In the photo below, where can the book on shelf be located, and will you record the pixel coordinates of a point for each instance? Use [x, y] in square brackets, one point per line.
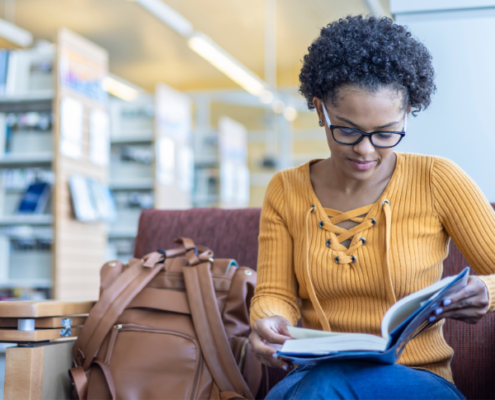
[82, 201]
[406, 319]
[132, 119]
[3, 133]
[4, 257]
[91, 199]
[34, 198]
[29, 71]
[103, 200]
[4, 62]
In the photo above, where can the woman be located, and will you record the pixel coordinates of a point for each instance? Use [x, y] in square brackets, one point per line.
[343, 238]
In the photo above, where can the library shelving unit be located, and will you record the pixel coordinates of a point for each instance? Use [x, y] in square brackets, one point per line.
[151, 160]
[174, 156]
[131, 169]
[221, 175]
[48, 97]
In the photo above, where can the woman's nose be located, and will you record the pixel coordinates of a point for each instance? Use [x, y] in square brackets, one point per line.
[364, 147]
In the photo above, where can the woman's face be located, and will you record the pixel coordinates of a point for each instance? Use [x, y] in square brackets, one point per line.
[368, 112]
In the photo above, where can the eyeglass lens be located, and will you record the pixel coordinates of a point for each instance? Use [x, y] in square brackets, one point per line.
[351, 136]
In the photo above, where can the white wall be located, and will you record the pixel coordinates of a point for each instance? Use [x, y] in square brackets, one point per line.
[460, 123]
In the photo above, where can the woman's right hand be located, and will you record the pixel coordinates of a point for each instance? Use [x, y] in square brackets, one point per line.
[267, 336]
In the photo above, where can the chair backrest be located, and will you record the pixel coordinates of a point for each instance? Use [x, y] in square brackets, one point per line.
[473, 365]
[229, 233]
[234, 234]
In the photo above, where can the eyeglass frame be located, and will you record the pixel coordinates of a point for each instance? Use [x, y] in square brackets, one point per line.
[363, 134]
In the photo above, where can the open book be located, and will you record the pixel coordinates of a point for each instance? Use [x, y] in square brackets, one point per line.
[406, 319]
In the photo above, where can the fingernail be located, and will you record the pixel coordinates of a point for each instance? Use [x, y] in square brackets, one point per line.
[284, 367]
[447, 302]
[432, 319]
[275, 356]
[438, 311]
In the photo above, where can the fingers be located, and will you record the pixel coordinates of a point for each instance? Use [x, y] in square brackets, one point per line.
[267, 336]
[470, 315]
[475, 287]
[468, 304]
[265, 329]
[259, 346]
[283, 328]
[265, 353]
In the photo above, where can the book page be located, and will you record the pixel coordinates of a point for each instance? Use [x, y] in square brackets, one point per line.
[303, 333]
[404, 308]
[334, 343]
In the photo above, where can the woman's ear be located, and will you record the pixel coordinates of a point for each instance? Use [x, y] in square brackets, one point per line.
[318, 104]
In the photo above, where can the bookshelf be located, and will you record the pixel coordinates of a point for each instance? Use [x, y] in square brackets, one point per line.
[174, 164]
[49, 254]
[151, 160]
[131, 169]
[221, 175]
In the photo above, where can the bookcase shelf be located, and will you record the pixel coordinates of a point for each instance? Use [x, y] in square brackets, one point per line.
[134, 138]
[45, 95]
[133, 184]
[26, 284]
[26, 220]
[26, 160]
[121, 233]
[46, 255]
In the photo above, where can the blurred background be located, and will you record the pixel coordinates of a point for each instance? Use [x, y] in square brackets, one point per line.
[109, 107]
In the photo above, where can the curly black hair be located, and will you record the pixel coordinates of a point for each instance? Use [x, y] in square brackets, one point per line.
[370, 53]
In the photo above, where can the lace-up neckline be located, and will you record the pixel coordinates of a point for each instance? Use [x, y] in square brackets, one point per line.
[338, 235]
[371, 214]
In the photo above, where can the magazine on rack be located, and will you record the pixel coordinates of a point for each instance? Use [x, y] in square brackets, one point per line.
[406, 319]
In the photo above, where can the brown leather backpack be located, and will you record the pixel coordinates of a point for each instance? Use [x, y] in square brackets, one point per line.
[172, 325]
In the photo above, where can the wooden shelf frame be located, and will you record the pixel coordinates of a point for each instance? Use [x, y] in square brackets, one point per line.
[78, 248]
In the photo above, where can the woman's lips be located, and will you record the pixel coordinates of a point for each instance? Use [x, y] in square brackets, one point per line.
[362, 165]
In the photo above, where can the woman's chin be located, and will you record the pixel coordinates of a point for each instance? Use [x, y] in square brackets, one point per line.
[361, 174]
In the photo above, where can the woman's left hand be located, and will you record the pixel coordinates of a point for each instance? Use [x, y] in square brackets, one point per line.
[468, 305]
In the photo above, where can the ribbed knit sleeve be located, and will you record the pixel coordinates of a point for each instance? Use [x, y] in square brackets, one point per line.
[276, 287]
[468, 218]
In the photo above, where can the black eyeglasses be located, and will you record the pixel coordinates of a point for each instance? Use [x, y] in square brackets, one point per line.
[352, 136]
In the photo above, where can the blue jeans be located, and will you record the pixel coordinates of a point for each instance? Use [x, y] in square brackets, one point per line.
[362, 380]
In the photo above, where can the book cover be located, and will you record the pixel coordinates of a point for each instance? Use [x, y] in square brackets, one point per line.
[82, 199]
[103, 201]
[405, 320]
[4, 60]
[35, 198]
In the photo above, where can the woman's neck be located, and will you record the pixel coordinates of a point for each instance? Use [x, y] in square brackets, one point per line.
[338, 191]
[338, 180]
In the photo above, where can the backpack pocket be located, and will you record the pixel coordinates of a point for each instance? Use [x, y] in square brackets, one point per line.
[137, 371]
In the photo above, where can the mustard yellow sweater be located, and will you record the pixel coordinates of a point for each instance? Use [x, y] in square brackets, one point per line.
[397, 248]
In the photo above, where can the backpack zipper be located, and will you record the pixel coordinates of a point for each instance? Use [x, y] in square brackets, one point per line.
[243, 354]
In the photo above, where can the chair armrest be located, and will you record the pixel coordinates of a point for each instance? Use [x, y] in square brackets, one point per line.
[38, 321]
[44, 332]
[46, 308]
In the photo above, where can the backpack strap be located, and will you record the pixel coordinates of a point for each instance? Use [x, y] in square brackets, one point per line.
[112, 303]
[210, 331]
[117, 297]
[80, 382]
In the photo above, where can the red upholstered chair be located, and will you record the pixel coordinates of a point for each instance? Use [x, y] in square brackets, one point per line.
[234, 234]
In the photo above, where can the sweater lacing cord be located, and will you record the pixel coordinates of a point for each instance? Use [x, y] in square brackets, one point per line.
[309, 283]
[387, 276]
[335, 244]
[343, 234]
